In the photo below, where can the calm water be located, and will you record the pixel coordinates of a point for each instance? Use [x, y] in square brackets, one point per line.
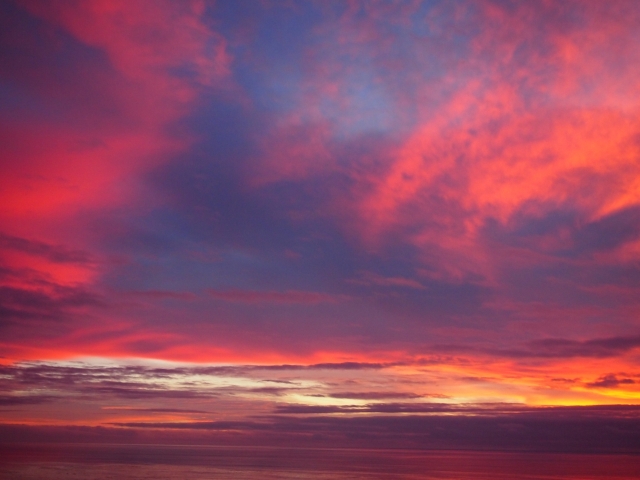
[100, 462]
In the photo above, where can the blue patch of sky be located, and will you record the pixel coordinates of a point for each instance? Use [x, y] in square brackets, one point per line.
[268, 67]
[17, 104]
[368, 107]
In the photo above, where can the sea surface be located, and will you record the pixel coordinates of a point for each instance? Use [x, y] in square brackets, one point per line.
[154, 462]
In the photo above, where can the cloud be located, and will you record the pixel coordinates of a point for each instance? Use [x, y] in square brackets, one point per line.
[352, 366]
[371, 278]
[134, 383]
[610, 381]
[163, 294]
[152, 410]
[606, 347]
[57, 302]
[337, 198]
[532, 431]
[13, 400]
[390, 408]
[290, 296]
[598, 347]
[147, 39]
[144, 398]
[117, 75]
[376, 395]
[55, 253]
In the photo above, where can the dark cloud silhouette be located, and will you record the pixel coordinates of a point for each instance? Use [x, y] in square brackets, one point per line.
[598, 347]
[163, 294]
[610, 381]
[12, 400]
[290, 296]
[155, 410]
[609, 232]
[376, 395]
[557, 348]
[55, 253]
[404, 408]
[567, 430]
[55, 302]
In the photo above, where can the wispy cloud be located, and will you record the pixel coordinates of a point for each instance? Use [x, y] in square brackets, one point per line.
[289, 296]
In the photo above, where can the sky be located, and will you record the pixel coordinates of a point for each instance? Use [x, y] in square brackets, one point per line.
[365, 223]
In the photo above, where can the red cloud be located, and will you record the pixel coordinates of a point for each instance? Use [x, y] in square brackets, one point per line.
[97, 121]
[537, 111]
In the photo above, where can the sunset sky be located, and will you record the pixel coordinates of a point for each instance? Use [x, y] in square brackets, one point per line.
[253, 221]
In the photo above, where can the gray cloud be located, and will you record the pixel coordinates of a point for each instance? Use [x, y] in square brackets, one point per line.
[610, 381]
[54, 253]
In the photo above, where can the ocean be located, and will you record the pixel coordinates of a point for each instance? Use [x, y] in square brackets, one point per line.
[158, 462]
